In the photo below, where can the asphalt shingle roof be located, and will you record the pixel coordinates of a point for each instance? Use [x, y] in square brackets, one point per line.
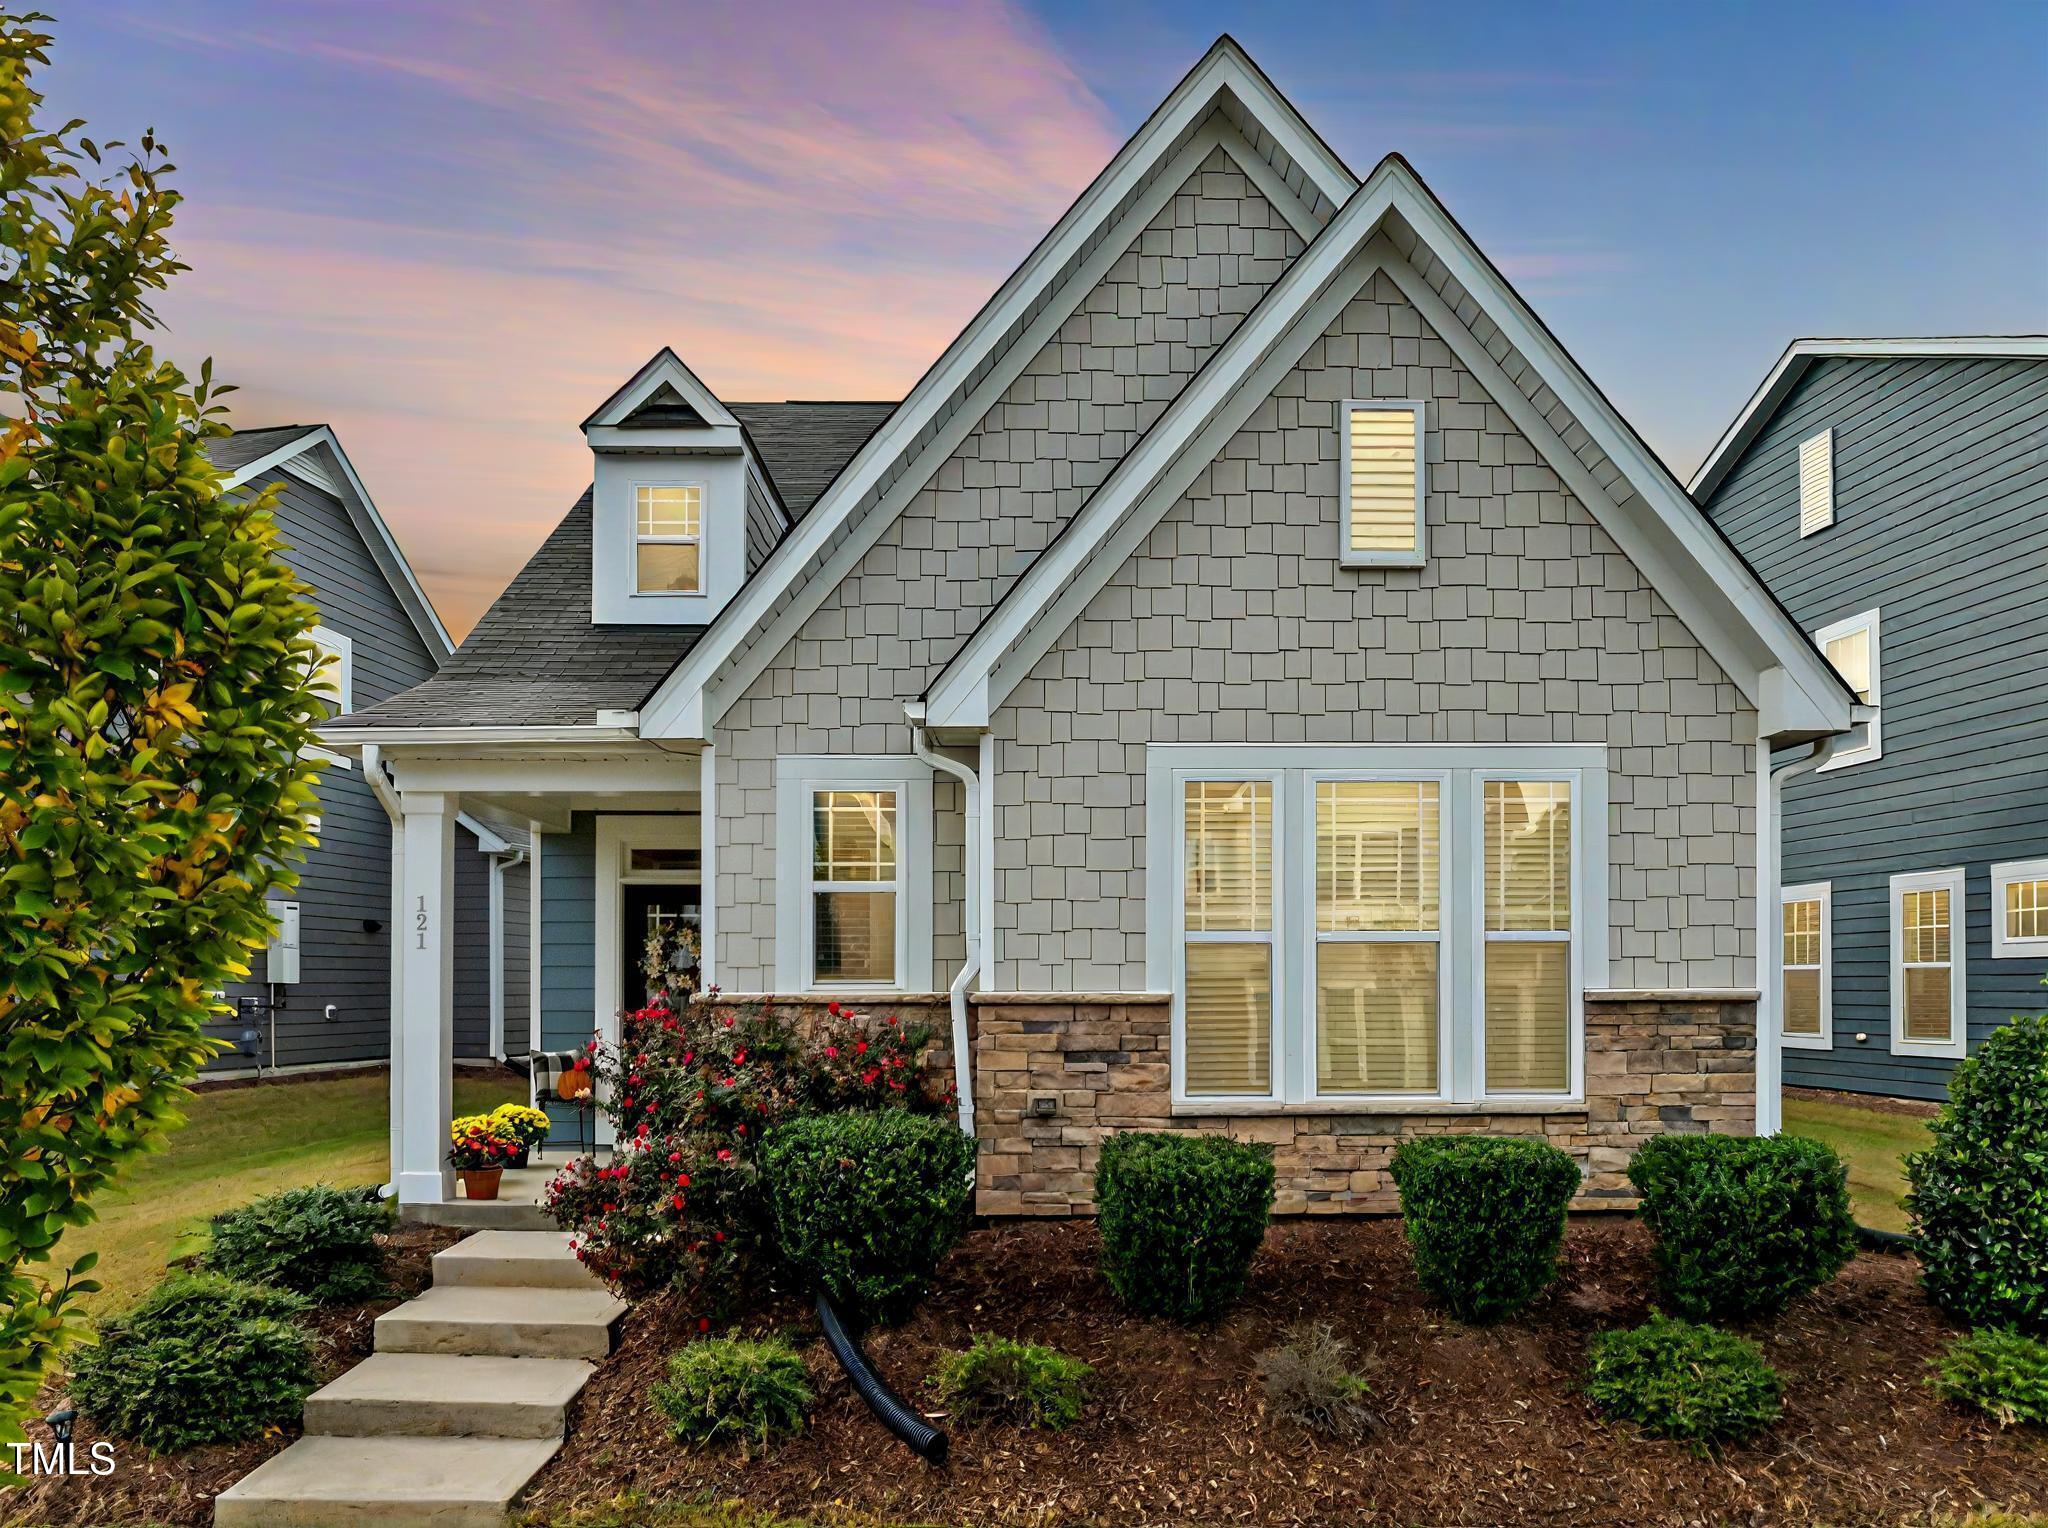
[230, 452]
[535, 659]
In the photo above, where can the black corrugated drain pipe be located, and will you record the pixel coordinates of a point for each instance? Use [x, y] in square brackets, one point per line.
[925, 1440]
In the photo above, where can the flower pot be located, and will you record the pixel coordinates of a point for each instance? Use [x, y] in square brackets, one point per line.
[480, 1182]
[573, 1084]
[522, 1155]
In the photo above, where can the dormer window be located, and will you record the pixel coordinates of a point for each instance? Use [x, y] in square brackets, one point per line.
[1383, 485]
[668, 538]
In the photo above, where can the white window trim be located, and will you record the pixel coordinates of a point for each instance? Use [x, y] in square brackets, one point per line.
[1954, 881]
[2003, 946]
[1347, 557]
[1873, 745]
[1293, 770]
[1826, 440]
[617, 838]
[340, 647]
[1822, 892]
[639, 540]
[797, 777]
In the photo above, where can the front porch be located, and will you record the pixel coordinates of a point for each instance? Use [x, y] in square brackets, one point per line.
[615, 826]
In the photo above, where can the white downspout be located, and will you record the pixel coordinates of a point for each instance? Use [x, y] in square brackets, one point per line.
[387, 797]
[963, 1066]
[500, 863]
[1770, 945]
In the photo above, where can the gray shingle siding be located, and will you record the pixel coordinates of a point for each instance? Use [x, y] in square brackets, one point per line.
[1941, 525]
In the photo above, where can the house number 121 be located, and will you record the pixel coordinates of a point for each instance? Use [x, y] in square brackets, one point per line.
[419, 922]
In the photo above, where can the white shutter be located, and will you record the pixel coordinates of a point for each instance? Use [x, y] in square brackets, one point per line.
[1817, 482]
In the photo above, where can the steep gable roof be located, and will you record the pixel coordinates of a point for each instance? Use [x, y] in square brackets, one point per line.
[1289, 163]
[1800, 355]
[1395, 223]
[311, 452]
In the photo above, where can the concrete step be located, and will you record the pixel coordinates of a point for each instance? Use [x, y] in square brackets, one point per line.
[511, 1323]
[328, 1482]
[435, 1395]
[482, 1214]
[518, 1259]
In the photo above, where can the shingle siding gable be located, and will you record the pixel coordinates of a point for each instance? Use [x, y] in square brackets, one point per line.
[1111, 370]
[1235, 624]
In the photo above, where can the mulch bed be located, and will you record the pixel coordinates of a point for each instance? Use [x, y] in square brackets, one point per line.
[1483, 1426]
[177, 1490]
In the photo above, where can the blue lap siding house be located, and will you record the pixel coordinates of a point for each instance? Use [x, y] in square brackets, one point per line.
[1894, 494]
[382, 637]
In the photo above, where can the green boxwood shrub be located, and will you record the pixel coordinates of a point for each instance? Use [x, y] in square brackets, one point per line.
[1180, 1216]
[1697, 1385]
[200, 1359]
[317, 1241]
[1979, 1198]
[1743, 1224]
[2004, 1374]
[735, 1387]
[1010, 1381]
[1485, 1215]
[865, 1204]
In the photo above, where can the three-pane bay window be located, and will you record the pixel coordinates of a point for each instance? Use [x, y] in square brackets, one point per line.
[1343, 933]
[853, 887]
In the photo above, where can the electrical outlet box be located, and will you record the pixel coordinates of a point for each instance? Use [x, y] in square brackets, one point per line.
[282, 957]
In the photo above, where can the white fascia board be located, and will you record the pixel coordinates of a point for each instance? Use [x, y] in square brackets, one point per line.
[369, 523]
[1224, 69]
[666, 366]
[696, 440]
[1801, 354]
[344, 737]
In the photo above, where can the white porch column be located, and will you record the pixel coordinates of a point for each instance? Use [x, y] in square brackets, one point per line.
[423, 1083]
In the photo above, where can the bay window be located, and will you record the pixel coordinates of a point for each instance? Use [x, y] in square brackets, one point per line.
[1406, 923]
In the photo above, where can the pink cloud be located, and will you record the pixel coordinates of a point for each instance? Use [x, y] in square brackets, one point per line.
[804, 206]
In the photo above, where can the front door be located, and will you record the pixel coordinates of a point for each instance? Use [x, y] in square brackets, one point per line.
[649, 908]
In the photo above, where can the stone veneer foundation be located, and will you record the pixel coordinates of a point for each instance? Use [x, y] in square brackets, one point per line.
[1655, 1062]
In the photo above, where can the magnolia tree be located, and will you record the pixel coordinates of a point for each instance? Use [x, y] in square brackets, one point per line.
[154, 700]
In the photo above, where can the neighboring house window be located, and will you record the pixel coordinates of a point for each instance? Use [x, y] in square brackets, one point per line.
[2019, 909]
[1400, 923]
[332, 678]
[1851, 646]
[1817, 482]
[1806, 976]
[1383, 484]
[1929, 1010]
[668, 533]
[854, 888]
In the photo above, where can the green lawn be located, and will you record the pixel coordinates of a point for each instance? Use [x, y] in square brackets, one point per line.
[1874, 1144]
[235, 1145]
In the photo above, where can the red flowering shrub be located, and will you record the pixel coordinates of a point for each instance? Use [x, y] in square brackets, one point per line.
[691, 1091]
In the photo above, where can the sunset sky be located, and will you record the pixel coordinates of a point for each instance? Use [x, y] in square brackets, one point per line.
[451, 229]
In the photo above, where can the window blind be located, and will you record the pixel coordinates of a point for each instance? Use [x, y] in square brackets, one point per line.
[1381, 499]
[1526, 828]
[1227, 994]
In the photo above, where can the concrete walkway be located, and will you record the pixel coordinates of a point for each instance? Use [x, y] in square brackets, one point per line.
[462, 1403]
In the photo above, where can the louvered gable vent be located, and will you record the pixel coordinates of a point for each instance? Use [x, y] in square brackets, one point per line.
[1816, 482]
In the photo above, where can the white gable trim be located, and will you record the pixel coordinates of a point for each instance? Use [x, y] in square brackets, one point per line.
[665, 367]
[1717, 597]
[291, 459]
[777, 600]
[1800, 355]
